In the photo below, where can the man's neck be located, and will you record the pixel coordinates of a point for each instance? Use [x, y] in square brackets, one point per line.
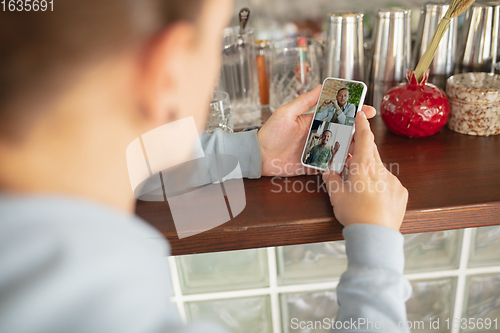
[78, 147]
[59, 168]
[74, 153]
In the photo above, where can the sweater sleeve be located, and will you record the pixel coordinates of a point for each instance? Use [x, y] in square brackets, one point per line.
[321, 114]
[242, 145]
[373, 291]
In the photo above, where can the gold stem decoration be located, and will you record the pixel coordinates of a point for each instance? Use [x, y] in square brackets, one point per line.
[456, 8]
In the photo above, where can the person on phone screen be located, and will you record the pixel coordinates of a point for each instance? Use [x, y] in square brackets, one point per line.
[322, 155]
[78, 85]
[337, 111]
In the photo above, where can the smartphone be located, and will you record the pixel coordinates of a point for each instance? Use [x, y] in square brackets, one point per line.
[332, 127]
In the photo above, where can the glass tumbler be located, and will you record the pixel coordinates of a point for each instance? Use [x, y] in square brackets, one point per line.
[294, 69]
[219, 114]
[239, 76]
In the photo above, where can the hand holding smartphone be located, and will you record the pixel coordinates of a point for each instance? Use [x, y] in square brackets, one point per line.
[332, 127]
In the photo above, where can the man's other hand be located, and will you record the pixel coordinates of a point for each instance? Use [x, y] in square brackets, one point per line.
[371, 195]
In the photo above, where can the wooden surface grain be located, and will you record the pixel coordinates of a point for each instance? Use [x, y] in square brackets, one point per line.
[453, 181]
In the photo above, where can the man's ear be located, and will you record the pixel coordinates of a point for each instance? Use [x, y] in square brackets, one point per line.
[162, 63]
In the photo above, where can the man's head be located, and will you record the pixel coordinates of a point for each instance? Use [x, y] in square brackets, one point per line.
[174, 47]
[342, 96]
[325, 137]
[78, 84]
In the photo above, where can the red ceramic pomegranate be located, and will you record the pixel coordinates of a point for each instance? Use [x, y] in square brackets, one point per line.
[415, 109]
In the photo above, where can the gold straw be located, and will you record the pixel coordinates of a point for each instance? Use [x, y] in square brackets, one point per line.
[456, 8]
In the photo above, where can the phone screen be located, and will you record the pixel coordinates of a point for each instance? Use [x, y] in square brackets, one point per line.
[332, 127]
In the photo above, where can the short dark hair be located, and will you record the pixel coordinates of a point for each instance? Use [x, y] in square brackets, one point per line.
[40, 50]
[326, 131]
[343, 89]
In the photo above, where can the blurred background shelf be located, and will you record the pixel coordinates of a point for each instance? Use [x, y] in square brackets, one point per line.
[453, 181]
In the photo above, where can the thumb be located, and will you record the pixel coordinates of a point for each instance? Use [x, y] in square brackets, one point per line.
[304, 102]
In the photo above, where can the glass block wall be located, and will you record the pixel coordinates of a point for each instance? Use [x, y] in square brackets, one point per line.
[454, 274]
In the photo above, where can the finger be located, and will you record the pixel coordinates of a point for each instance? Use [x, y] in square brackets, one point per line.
[376, 154]
[348, 161]
[302, 103]
[351, 147]
[363, 148]
[333, 182]
[311, 171]
[307, 118]
[307, 171]
[369, 111]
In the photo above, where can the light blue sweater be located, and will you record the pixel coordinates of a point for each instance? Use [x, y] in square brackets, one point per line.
[69, 265]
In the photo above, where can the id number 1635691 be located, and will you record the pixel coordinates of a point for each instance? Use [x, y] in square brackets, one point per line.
[27, 5]
[472, 323]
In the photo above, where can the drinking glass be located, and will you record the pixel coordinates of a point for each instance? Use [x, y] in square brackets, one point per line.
[294, 69]
[391, 52]
[239, 76]
[219, 115]
[344, 52]
[481, 37]
[446, 58]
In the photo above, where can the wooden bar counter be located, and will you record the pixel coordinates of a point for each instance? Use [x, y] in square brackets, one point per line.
[453, 181]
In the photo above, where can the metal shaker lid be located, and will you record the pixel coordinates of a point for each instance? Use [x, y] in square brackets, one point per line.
[486, 3]
[345, 16]
[395, 12]
[435, 6]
